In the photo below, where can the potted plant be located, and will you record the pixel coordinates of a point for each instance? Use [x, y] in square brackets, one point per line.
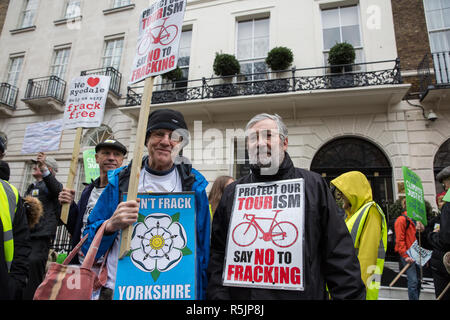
[279, 59]
[341, 54]
[168, 93]
[226, 66]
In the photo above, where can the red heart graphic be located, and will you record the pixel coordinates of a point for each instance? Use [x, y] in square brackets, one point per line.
[93, 81]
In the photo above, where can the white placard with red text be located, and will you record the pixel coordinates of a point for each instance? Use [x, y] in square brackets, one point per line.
[158, 40]
[85, 105]
[265, 237]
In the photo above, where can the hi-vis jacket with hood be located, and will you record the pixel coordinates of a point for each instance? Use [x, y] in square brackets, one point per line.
[367, 225]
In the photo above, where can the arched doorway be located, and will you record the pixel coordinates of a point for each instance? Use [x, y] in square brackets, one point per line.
[441, 160]
[351, 153]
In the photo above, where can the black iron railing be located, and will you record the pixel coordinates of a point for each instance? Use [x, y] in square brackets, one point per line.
[439, 63]
[294, 80]
[8, 94]
[46, 87]
[116, 77]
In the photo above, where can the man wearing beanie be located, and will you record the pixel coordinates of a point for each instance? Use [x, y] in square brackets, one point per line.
[163, 170]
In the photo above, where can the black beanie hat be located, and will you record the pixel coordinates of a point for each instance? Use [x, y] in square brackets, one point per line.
[165, 119]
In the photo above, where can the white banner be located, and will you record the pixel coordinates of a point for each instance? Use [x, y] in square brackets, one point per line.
[265, 238]
[42, 137]
[158, 40]
[85, 105]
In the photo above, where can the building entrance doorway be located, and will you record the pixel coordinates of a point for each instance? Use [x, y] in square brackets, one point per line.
[355, 154]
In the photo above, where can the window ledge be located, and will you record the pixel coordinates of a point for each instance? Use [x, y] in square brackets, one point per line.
[24, 29]
[119, 9]
[67, 20]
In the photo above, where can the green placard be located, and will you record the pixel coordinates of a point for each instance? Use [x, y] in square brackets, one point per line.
[447, 196]
[415, 201]
[91, 169]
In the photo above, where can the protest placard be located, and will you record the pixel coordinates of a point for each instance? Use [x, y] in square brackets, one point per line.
[265, 237]
[415, 201]
[42, 137]
[156, 53]
[91, 167]
[160, 264]
[446, 198]
[419, 254]
[158, 40]
[85, 108]
[85, 104]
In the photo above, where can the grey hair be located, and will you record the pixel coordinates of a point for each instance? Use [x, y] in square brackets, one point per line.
[282, 129]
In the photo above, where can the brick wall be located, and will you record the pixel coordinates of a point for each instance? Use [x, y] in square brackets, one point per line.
[3, 9]
[411, 35]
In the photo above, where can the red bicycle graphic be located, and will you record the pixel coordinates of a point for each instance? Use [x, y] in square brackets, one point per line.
[283, 234]
[159, 34]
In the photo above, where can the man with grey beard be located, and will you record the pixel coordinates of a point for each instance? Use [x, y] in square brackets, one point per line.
[329, 259]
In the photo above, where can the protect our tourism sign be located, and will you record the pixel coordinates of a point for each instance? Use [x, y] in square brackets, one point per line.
[265, 237]
[85, 105]
[415, 201]
[158, 39]
[161, 263]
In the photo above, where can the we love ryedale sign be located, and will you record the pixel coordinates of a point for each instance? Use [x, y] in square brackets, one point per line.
[85, 105]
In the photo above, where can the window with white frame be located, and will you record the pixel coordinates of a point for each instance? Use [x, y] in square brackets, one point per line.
[120, 3]
[96, 135]
[437, 13]
[112, 53]
[28, 13]
[252, 46]
[73, 9]
[184, 53]
[59, 62]
[15, 66]
[339, 25]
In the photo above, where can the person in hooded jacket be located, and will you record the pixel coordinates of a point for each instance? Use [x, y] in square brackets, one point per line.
[329, 257]
[367, 225]
[166, 130]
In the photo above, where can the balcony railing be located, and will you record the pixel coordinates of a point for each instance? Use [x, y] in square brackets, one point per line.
[294, 80]
[116, 77]
[8, 94]
[46, 87]
[439, 62]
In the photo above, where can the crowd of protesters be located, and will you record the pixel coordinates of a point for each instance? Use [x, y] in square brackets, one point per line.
[344, 256]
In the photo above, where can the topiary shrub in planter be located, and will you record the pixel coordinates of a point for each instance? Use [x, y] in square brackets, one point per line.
[173, 75]
[278, 59]
[341, 53]
[225, 65]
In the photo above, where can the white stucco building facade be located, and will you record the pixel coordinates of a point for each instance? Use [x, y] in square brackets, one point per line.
[368, 117]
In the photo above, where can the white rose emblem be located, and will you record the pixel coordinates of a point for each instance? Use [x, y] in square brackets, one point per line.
[157, 243]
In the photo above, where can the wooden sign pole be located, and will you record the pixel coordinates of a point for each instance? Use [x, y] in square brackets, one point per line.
[399, 274]
[137, 159]
[72, 172]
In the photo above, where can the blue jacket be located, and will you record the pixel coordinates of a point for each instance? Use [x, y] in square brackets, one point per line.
[111, 196]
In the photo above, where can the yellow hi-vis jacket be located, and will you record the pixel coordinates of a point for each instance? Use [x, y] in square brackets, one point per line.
[367, 225]
[9, 197]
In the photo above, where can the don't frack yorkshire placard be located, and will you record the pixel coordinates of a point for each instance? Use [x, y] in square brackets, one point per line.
[160, 264]
[158, 40]
[265, 238]
[85, 105]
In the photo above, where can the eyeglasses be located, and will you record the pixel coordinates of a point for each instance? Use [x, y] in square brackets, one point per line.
[160, 134]
[254, 136]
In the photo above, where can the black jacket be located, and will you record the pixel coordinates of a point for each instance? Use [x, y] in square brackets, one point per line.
[439, 242]
[47, 192]
[12, 283]
[330, 258]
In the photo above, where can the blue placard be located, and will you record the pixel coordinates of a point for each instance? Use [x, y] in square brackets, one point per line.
[161, 263]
